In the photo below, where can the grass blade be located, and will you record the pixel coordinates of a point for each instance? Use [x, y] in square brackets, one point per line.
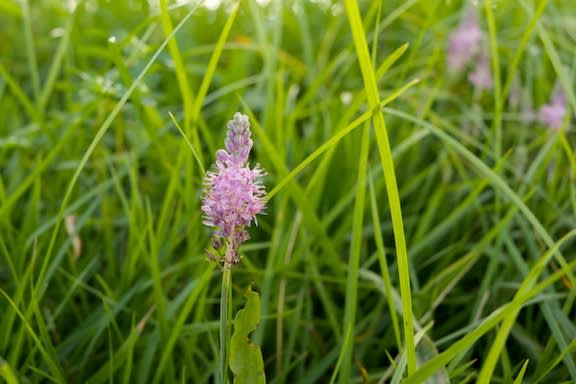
[371, 89]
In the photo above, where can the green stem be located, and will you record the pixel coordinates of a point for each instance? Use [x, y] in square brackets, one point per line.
[224, 321]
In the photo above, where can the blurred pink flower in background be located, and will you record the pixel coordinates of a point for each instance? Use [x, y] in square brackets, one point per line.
[553, 113]
[481, 77]
[464, 41]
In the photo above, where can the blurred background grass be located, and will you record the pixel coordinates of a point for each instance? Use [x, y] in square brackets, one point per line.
[124, 293]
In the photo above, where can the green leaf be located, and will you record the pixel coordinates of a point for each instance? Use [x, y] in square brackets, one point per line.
[521, 373]
[6, 372]
[385, 151]
[245, 357]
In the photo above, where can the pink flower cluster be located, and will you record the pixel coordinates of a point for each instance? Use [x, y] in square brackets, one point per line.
[553, 113]
[481, 77]
[233, 193]
[464, 42]
[464, 46]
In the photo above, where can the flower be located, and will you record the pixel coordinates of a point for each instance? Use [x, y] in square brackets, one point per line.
[464, 41]
[233, 193]
[553, 113]
[481, 77]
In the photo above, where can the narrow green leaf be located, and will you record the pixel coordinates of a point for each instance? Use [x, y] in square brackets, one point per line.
[97, 138]
[490, 322]
[494, 56]
[189, 143]
[520, 376]
[56, 63]
[50, 360]
[180, 69]
[176, 328]
[570, 349]
[7, 373]
[336, 138]
[30, 49]
[351, 302]
[17, 90]
[371, 89]
[485, 375]
[211, 68]
[391, 59]
[384, 263]
[123, 353]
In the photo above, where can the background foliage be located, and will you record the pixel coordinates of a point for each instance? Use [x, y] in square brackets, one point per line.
[124, 292]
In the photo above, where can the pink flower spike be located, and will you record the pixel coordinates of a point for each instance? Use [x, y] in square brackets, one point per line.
[481, 78]
[464, 42]
[238, 142]
[553, 113]
[233, 193]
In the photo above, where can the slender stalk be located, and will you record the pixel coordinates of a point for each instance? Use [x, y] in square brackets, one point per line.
[224, 321]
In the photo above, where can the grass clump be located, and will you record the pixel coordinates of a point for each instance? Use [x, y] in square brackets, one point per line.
[420, 216]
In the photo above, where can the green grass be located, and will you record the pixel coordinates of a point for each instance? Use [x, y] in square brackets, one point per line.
[416, 230]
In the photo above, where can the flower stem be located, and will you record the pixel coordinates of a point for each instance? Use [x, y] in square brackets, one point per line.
[224, 321]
